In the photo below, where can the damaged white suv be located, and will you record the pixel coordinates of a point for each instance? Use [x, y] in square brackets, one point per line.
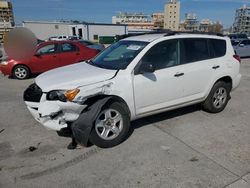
[135, 77]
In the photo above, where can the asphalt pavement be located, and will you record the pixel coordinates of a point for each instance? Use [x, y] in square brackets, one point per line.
[185, 148]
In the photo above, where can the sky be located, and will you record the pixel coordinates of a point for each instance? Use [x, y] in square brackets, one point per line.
[101, 11]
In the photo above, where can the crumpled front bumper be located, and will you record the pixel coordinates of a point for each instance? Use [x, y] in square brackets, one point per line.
[54, 114]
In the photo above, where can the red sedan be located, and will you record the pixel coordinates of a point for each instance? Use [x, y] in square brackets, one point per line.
[49, 55]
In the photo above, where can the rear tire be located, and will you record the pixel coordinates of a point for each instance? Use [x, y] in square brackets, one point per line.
[111, 126]
[21, 72]
[217, 98]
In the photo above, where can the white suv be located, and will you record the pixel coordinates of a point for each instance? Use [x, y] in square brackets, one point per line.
[133, 78]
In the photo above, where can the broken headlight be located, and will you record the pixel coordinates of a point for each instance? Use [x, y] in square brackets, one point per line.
[56, 95]
[62, 95]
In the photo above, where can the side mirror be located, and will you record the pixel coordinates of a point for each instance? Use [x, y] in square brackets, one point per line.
[146, 68]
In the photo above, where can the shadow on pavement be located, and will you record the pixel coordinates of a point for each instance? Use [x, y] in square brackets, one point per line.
[162, 116]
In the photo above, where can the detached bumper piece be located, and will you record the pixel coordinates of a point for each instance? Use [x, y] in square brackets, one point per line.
[33, 93]
[65, 132]
[82, 127]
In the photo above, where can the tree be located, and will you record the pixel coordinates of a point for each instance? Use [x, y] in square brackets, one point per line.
[216, 27]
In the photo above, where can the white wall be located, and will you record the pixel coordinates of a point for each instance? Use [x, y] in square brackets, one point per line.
[106, 30]
[45, 30]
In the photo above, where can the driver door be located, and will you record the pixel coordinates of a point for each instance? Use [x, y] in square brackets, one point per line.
[163, 87]
[46, 58]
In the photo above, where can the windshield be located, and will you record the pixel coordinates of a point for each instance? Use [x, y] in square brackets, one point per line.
[119, 55]
[234, 42]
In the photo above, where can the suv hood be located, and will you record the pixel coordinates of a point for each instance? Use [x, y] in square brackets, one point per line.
[73, 76]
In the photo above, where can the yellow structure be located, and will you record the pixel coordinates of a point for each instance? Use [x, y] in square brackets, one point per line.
[6, 18]
[158, 20]
[172, 15]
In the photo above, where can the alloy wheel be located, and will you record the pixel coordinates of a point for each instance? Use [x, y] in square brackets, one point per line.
[219, 97]
[109, 124]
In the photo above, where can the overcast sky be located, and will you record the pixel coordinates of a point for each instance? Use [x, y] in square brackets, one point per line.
[103, 10]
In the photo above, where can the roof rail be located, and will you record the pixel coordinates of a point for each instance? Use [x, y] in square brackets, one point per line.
[194, 32]
[167, 33]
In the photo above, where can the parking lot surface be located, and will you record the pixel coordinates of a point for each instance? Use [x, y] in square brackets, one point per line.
[182, 148]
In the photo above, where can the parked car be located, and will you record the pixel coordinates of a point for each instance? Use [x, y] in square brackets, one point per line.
[238, 36]
[133, 78]
[243, 48]
[92, 45]
[49, 55]
[235, 42]
[63, 37]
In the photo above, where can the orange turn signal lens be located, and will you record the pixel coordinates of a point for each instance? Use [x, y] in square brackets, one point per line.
[70, 94]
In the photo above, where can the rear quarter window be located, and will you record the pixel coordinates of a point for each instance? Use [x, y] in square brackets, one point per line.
[217, 48]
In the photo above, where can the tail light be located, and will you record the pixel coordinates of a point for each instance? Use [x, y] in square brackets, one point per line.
[237, 58]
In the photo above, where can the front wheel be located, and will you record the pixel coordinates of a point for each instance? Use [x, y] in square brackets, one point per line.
[111, 126]
[217, 98]
[21, 72]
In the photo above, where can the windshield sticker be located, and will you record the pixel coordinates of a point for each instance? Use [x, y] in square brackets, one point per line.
[134, 47]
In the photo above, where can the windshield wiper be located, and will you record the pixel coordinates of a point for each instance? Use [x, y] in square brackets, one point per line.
[91, 62]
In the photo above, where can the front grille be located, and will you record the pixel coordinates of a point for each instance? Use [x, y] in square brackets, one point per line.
[33, 93]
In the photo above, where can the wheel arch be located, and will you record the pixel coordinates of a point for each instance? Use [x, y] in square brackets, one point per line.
[114, 98]
[227, 80]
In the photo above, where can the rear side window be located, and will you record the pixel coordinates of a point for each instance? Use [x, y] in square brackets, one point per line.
[217, 47]
[68, 47]
[194, 49]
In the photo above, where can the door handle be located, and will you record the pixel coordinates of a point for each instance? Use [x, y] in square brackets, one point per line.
[179, 74]
[77, 53]
[216, 67]
[54, 56]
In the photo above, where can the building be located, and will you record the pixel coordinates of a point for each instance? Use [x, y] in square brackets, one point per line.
[6, 18]
[172, 15]
[158, 20]
[88, 31]
[136, 22]
[205, 25]
[242, 20]
[190, 23]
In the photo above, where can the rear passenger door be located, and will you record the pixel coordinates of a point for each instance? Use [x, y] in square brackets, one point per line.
[70, 53]
[200, 68]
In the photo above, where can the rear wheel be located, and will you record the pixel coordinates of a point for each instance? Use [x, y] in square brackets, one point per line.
[21, 72]
[217, 98]
[111, 126]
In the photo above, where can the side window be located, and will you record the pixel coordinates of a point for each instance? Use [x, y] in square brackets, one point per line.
[48, 49]
[194, 49]
[68, 47]
[162, 55]
[217, 47]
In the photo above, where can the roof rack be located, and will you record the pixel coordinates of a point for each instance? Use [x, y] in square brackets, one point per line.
[166, 32]
[193, 32]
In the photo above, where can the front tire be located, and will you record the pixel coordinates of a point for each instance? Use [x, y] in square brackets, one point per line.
[111, 126]
[21, 72]
[217, 98]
